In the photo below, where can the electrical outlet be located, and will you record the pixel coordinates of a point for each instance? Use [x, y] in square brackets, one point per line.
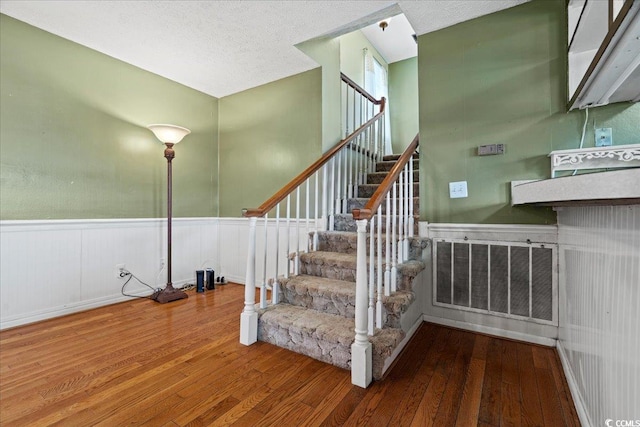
[458, 190]
[120, 269]
[604, 137]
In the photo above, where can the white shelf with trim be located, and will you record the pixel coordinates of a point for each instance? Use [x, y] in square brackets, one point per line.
[621, 187]
[611, 157]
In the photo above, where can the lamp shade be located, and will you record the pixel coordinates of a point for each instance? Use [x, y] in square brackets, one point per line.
[169, 133]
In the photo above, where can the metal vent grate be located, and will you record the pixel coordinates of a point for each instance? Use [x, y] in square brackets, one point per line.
[509, 279]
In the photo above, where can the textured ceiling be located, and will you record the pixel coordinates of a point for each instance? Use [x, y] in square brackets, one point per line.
[223, 47]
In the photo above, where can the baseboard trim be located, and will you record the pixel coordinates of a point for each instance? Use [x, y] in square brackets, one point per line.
[392, 358]
[534, 339]
[67, 309]
[578, 401]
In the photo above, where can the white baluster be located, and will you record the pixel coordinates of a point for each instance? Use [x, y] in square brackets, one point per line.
[400, 203]
[332, 198]
[354, 109]
[408, 202]
[275, 291]
[361, 361]
[394, 226]
[372, 296]
[296, 265]
[345, 182]
[338, 183]
[315, 218]
[345, 124]
[387, 267]
[288, 271]
[263, 288]
[249, 316]
[379, 270]
[349, 148]
[325, 210]
[411, 196]
[306, 211]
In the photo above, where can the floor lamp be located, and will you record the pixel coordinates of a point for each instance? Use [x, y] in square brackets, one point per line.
[169, 135]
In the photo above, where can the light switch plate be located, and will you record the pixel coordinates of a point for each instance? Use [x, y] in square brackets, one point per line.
[458, 190]
[604, 137]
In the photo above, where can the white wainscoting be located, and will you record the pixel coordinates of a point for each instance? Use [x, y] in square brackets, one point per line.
[599, 337]
[52, 268]
[486, 323]
[57, 267]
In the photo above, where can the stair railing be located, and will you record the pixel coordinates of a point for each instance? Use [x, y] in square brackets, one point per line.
[396, 191]
[324, 188]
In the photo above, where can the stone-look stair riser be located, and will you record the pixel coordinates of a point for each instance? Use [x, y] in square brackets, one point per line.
[345, 222]
[378, 177]
[337, 266]
[367, 190]
[320, 294]
[396, 157]
[346, 242]
[338, 298]
[360, 203]
[386, 166]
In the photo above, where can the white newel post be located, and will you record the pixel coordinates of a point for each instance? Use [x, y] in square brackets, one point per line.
[249, 316]
[361, 364]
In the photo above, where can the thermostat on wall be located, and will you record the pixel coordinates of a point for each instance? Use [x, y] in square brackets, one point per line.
[490, 149]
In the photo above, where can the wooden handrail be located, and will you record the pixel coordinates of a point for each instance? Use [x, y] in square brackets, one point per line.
[306, 174]
[358, 89]
[372, 205]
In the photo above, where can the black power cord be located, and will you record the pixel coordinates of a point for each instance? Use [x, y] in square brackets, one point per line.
[133, 276]
[125, 273]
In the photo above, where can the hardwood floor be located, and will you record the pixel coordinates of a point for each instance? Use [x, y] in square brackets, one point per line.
[179, 364]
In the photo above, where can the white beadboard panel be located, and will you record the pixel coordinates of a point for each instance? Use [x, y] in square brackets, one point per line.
[52, 268]
[599, 248]
[539, 333]
[232, 248]
[39, 270]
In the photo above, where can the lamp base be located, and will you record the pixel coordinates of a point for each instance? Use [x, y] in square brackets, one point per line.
[168, 294]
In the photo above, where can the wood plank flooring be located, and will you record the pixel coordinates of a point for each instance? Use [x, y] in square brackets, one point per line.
[180, 364]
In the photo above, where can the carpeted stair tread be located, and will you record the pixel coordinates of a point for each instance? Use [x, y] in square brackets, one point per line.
[338, 241]
[338, 259]
[321, 294]
[367, 190]
[378, 177]
[332, 265]
[396, 157]
[345, 222]
[347, 242]
[387, 165]
[361, 202]
[395, 305]
[322, 336]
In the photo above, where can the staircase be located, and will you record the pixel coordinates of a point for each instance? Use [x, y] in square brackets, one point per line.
[316, 312]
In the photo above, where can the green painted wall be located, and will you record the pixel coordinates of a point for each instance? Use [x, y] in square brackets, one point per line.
[326, 52]
[73, 137]
[268, 135]
[352, 56]
[403, 102]
[500, 79]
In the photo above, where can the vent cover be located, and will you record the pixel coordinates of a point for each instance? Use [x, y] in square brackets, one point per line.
[509, 279]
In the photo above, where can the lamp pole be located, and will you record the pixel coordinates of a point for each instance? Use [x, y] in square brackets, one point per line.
[169, 154]
[169, 135]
